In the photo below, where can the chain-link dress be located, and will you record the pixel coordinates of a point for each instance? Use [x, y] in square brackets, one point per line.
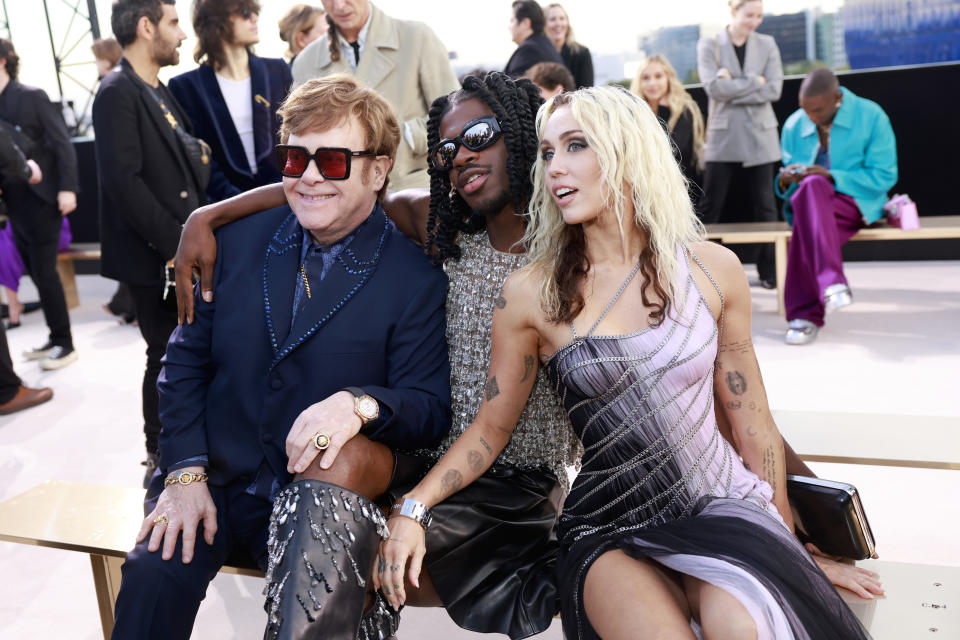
[659, 481]
[492, 547]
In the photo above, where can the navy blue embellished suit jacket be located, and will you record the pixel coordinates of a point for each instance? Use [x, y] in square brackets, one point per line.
[234, 381]
[199, 94]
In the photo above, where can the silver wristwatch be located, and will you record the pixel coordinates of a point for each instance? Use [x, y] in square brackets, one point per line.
[415, 510]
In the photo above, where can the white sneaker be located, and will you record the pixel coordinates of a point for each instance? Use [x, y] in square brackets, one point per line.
[801, 332]
[58, 358]
[836, 296]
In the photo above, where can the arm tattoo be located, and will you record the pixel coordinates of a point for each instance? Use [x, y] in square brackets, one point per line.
[475, 461]
[736, 382]
[486, 445]
[451, 482]
[500, 302]
[528, 363]
[734, 404]
[740, 348]
[770, 466]
[491, 389]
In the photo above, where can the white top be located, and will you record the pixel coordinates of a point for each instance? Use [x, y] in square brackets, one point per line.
[237, 95]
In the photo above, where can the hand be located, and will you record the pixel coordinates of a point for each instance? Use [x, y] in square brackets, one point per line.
[817, 170]
[333, 417]
[66, 202]
[407, 541]
[197, 252]
[185, 507]
[35, 174]
[862, 582]
[724, 73]
[762, 80]
[790, 174]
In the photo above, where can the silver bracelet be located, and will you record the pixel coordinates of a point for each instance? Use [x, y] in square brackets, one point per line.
[415, 510]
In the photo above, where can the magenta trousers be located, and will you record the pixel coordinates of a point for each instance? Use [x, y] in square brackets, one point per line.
[823, 220]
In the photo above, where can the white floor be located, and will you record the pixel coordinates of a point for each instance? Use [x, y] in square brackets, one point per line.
[895, 351]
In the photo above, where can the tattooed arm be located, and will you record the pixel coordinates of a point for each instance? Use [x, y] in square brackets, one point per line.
[513, 366]
[738, 386]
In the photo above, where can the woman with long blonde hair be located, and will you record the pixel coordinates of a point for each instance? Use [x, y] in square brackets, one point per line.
[576, 57]
[644, 331]
[657, 83]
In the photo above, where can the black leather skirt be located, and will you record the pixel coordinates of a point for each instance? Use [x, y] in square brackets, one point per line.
[492, 548]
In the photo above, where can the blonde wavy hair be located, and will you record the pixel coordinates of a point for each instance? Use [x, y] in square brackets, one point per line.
[568, 39]
[640, 176]
[678, 101]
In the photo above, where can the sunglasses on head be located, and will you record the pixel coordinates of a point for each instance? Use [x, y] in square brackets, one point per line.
[476, 136]
[332, 162]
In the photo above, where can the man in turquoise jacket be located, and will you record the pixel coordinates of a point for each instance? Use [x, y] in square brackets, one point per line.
[840, 160]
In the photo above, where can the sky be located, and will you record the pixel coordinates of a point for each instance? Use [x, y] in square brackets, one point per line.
[475, 30]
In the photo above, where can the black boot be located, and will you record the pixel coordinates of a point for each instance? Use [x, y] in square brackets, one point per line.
[321, 546]
[380, 622]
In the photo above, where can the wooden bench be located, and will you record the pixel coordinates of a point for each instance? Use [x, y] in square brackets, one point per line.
[103, 521]
[932, 228]
[94, 519]
[65, 268]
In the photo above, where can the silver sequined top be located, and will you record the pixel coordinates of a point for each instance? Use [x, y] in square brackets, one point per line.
[543, 438]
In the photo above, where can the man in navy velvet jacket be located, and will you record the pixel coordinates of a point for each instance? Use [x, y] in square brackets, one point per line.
[233, 96]
[323, 352]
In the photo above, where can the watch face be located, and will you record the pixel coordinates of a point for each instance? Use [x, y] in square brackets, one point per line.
[368, 407]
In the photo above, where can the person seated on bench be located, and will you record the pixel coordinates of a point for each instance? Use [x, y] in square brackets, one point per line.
[840, 160]
[324, 352]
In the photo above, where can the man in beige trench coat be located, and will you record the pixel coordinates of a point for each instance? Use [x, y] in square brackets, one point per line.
[402, 60]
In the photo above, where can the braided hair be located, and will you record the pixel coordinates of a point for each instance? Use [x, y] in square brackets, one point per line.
[515, 104]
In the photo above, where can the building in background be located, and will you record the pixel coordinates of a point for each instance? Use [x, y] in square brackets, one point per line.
[885, 33]
[678, 45]
[794, 34]
[830, 47]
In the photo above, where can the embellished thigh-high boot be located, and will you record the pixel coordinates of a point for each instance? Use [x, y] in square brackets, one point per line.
[322, 542]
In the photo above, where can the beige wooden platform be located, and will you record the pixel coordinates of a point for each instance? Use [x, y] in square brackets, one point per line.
[865, 438]
[933, 228]
[67, 272]
[102, 521]
[98, 520]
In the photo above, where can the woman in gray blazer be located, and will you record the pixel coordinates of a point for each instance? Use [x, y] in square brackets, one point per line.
[742, 74]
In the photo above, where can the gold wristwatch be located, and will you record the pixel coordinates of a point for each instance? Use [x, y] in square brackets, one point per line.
[365, 406]
[184, 478]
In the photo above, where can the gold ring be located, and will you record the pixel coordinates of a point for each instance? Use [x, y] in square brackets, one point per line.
[321, 441]
[161, 519]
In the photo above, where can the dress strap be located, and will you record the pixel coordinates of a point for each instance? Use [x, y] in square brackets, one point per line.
[616, 296]
[719, 293]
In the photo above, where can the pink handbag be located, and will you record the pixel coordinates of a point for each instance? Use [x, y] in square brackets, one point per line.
[902, 212]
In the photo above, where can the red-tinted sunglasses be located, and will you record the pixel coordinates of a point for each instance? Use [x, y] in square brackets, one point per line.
[332, 162]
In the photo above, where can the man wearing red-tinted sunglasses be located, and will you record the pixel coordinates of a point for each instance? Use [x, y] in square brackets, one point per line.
[283, 402]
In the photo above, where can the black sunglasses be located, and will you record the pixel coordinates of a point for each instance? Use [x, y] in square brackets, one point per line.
[246, 12]
[476, 136]
[332, 162]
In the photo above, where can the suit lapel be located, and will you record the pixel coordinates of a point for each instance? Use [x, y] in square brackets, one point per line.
[153, 108]
[377, 61]
[263, 126]
[349, 273]
[220, 116]
[279, 272]
[752, 59]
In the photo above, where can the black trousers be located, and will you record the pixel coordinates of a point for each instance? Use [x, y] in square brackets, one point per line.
[36, 230]
[9, 381]
[157, 319]
[758, 182]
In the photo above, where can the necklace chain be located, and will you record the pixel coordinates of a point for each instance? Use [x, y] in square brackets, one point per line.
[306, 283]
